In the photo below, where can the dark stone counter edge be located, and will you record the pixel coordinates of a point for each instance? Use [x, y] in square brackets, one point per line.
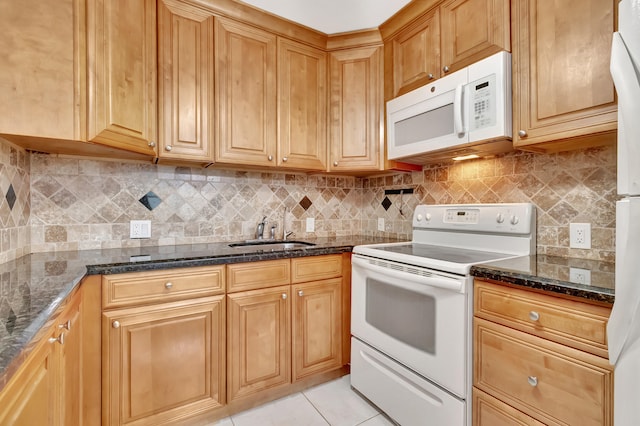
[545, 284]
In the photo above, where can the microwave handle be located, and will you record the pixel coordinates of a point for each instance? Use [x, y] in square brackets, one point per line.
[457, 111]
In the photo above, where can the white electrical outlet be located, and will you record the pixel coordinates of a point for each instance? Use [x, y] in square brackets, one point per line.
[580, 235]
[311, 224]
[381, 224]
[140, 229]
[580, 276]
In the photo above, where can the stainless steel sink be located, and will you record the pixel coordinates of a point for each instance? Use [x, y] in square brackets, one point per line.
[272, 244]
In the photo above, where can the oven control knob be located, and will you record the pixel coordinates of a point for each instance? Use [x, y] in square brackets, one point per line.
[515, 220]
[427, 217]
[419, 218]
[500, 218]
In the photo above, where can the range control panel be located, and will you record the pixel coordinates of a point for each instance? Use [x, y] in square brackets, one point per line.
[511, 218]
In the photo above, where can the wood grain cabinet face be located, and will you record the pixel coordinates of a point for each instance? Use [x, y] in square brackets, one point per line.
[355, 110]
[245, 94]
[185, 74]
[563, 93]
[163, 363]
[302, 106]
[122, 74]
[490, 411]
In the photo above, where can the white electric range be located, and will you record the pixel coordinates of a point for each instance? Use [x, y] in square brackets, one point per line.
[411, 312]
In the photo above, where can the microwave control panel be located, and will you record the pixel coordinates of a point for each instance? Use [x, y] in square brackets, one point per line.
[483, 102]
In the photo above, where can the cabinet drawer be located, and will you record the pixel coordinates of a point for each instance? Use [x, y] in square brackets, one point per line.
[489, 411]
[143, 288]
[255, 275]
[550, 382]
[579, 325]
[315, 268]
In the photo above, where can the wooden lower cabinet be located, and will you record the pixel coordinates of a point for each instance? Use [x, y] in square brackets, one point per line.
[163, 363]
[488, 410]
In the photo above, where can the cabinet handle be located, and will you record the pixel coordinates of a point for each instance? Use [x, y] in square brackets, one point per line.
[168, 148]
[152, 144]
[270, 158]
[300, 293]
[115, 324]
[284, 159]
[168, 285]
[522, 133]
[335, 164]
[445, 68]
[430, 76]
[66, 325]
[60, 339]
[284, 296]
[534, 316]
[533, 381]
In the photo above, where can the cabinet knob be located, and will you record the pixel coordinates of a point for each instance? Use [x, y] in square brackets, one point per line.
[300, 293]
[270, 158]
[445, 68]
[115, 324]
[335, 164]
[534, 316]
[284, 296]
[284, 159]
[60, 339]
[168, 285]
[522, 133]
[168, 148]
[430, 76]
[152, 144]
[533, 381]
[65, 325]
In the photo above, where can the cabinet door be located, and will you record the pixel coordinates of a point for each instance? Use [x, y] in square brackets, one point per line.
[416, 54]
[317, 327]
[163, 363]
[562, 87]
[122, 74]
[245, 94]
[472, 30]
[259, 330]
[489, 411]
[302, 106]
[41, 85]
[185, 72]
[31, 395]
[356, 132]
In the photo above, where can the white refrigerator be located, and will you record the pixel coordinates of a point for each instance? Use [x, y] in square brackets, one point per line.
[623, 329]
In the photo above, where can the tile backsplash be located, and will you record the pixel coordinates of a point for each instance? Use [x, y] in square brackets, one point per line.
[69, 203]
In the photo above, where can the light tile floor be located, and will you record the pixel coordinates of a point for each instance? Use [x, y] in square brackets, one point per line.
[333, 403]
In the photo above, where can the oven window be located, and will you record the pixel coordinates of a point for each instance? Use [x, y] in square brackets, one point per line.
[402, 314]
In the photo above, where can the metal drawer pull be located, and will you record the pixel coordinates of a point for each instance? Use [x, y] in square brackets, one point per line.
[116, 324]
[533, 381]
[168, 285]
[60, 339]
[534, 316]
[65, 325]
[284, 296]
[300, 293]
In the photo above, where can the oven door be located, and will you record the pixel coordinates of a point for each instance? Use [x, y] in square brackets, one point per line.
[416, 316]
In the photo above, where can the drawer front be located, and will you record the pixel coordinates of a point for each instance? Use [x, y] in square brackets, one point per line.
[576, 324]
[315, 268]
[255, 275]
[489, 411]
[552, 383]
[142, 288]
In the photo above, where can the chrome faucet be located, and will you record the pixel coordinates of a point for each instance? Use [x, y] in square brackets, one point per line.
[260, 228]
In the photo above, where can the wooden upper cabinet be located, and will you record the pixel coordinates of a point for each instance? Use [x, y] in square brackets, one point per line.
[444, 39]
[41, 78]
[185, 75]
[356, 104]
[245, 94]
[564, 96]
[302, 106]
[121, 37]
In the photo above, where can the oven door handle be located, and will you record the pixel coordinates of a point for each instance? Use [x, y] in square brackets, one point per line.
[433, 281]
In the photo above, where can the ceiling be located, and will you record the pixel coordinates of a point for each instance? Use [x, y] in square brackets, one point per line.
[332, 16]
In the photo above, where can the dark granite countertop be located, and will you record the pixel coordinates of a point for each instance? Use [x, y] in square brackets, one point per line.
[34, 286]
[552, 274]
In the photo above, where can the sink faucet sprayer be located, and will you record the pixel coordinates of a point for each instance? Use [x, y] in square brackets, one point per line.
[260, 228]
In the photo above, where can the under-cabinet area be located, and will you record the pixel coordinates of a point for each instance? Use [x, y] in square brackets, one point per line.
[539, 359]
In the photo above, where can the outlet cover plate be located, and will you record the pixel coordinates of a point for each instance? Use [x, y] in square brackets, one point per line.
[580, 235]
[381, 224]
[580, 276]
[311, 224]
[140, 229]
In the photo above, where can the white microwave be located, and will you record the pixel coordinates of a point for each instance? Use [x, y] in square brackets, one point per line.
[465, 113]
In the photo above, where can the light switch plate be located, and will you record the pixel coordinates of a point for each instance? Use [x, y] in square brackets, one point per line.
[140, 229]
[381, 224]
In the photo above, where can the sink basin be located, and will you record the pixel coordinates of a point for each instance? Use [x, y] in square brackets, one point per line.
[272, 244]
